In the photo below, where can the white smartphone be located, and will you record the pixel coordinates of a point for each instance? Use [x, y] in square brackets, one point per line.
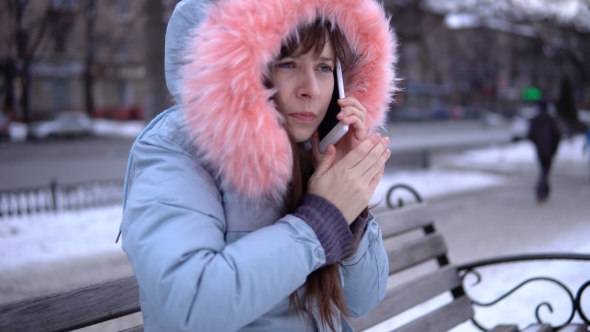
[331, 130]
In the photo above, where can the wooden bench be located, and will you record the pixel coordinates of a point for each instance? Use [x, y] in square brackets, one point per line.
[412, 245]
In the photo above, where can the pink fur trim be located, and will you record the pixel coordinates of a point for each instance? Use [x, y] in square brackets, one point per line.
[226, 106]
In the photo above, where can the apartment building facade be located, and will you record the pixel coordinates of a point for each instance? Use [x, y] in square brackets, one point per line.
[85, 53]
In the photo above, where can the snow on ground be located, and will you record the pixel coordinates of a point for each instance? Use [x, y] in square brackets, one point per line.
[520, 156]
[112, 128]
[58, 236]
[100, 127]
[432, 183]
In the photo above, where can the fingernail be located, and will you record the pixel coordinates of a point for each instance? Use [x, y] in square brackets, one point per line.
[387, 152]
[376, 137]
[385, 140]
[344, 99]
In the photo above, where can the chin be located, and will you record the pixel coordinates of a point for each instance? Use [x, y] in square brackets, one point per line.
[301, 137]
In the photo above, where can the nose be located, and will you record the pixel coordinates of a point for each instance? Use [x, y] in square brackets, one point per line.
[308, 84]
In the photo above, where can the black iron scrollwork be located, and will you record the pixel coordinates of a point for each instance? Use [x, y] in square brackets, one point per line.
[576, 301]
[400, 202]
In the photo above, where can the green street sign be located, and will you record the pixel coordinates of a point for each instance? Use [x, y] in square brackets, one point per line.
[531, 94]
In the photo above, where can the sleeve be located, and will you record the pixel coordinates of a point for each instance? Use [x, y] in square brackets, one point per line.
[173, 233]
[365, 274]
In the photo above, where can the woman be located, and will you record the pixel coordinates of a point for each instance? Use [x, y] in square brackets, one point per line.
[231, 223]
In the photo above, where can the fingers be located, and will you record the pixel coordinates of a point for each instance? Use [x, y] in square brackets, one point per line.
[357, 125]
[370, 165]
[323, 160]
[354, 157]
[368, 158]
[351, 106]
[354, 115]
[376, 179]
[378, 167]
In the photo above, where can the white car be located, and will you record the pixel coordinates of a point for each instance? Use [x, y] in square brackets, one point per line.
[65, 124]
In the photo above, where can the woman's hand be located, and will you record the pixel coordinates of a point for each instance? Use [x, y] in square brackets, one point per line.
[354, 115]
[349, 183]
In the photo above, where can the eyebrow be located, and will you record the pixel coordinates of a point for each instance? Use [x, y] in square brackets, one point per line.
[323, 58]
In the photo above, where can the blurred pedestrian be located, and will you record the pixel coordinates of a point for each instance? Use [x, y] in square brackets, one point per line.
[545, 134]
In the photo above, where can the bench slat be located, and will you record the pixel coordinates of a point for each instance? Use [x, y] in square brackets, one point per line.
[538, 328]
[393, 222]
[505, 328]
[443, 318]
[138, 328]
[73, 309]
[407, 295]
[414, 252]
[574, 328]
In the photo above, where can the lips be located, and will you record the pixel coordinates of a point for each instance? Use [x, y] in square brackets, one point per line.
[303, 116]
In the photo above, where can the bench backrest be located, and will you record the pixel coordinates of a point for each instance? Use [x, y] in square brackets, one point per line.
[73, 309]
[410, 239]
[98, 303]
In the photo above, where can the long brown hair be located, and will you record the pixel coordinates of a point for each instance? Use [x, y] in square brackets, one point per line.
[323, 286]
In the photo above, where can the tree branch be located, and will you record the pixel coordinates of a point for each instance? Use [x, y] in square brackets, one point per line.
[46, 18]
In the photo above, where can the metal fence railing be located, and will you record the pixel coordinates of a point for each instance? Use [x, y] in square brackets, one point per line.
[57, 197]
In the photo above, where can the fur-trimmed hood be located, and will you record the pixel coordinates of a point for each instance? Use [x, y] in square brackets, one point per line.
[216, 75]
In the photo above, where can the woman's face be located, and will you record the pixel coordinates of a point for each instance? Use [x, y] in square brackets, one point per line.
[305, 84]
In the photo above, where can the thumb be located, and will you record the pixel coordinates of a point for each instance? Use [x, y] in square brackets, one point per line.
[326, 160]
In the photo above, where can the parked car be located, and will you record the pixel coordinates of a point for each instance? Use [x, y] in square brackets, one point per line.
[65, 124]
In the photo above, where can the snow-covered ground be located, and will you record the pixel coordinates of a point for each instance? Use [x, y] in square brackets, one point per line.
[50, 237]
[521, 156]
[101, 127]
[113, 128]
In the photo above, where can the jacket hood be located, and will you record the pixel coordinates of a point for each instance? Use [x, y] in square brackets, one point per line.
[227, 109]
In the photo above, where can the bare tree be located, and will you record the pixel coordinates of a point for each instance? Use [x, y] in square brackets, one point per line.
[573, 16]
[156, 92]
[26, 38]
[90, 51]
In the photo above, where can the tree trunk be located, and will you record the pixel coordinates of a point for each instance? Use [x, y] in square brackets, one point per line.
[157, 97]
[88, 75]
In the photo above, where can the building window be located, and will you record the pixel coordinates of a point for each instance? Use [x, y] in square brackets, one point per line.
[64, 5]
[61, 93]
[124, 10]
[122, 54]
[125, 93]
[59, 43]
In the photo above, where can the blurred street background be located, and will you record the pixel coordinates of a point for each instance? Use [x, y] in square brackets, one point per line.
[80, 79]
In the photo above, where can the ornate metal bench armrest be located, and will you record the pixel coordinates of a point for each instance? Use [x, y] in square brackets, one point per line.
[469, 268]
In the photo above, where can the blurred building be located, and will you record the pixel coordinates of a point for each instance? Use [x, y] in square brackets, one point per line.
[106, 57]
[74, 44]
[462, 64]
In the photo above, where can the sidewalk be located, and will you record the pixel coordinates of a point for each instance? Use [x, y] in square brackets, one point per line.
[507, 219]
